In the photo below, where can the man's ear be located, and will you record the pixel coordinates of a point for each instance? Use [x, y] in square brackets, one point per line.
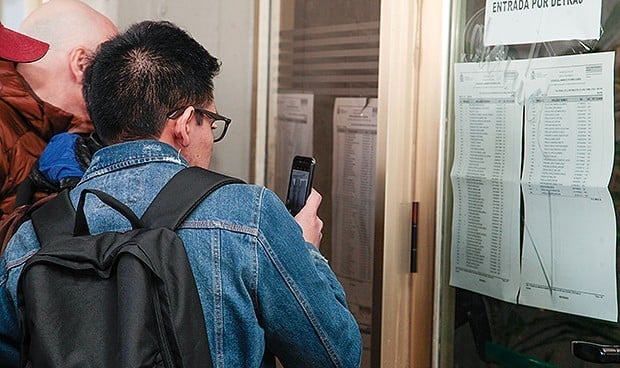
[79, 58]
[182, 127]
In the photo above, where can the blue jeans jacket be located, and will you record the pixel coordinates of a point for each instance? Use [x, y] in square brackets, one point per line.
[264, 290]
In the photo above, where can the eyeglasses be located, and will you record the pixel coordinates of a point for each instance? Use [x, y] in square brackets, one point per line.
[219, 123]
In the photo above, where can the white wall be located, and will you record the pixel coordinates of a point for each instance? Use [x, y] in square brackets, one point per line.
[226, 29]
[13, 11]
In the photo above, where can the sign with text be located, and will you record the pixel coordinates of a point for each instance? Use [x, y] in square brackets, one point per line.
[509, 22]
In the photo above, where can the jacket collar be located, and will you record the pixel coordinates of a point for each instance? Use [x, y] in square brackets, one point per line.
[123, 155]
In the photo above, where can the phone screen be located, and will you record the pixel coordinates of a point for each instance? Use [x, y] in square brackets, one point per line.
[300, 183]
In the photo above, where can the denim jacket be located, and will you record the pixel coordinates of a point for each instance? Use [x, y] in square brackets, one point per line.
[264, 290]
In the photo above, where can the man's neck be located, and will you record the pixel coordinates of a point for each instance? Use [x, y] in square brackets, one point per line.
[50, 86]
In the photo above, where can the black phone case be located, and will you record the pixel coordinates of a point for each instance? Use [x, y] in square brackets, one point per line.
[296, 195]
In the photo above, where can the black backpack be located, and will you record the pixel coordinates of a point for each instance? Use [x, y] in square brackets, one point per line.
[115, 299]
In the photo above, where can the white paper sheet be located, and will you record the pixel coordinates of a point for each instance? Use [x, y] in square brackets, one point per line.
[569, 244]
[485, 180]
[353, 205]
[295, 126]
[568, 259]
[509, 22]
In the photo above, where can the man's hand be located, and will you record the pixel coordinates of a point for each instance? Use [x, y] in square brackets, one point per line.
[309, 220]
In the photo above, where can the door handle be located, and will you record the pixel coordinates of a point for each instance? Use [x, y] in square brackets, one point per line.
[595, 353]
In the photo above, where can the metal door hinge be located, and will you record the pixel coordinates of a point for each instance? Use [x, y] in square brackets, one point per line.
[413, 266]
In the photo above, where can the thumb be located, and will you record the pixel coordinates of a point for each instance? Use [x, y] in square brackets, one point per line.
[313, 202]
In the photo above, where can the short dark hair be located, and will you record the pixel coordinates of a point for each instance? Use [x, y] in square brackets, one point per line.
[142, 74]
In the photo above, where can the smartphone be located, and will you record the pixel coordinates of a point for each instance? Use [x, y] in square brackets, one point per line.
[299, 183]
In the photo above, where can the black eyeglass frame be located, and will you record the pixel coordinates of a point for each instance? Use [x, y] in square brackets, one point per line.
[210, 114]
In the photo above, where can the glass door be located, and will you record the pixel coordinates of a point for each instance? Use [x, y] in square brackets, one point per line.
[324, 61]
[479, 326]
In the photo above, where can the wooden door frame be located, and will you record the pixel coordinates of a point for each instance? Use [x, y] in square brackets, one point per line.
[412, 72]
[412, 69]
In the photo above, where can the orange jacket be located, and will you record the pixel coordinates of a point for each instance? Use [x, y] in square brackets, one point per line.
[26, 125]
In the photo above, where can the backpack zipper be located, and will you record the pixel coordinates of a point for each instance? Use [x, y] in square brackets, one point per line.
[167, 354]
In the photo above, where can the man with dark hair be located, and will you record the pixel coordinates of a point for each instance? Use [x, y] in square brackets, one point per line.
[264, 287]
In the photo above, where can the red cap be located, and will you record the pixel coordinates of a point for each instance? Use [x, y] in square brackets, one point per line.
[18, 47]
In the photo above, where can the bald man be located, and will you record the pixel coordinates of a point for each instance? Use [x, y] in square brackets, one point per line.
[41, 99]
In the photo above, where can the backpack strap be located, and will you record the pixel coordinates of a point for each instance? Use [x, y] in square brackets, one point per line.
[59, 218]
[81, 226]
[182, 194]
[176, 200]
[21, 214]
[56, 217]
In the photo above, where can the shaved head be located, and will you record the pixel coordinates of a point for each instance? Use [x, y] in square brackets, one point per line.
[73, 30]
[65, 24]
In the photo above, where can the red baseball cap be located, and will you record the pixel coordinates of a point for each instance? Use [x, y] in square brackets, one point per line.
[18, 47]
